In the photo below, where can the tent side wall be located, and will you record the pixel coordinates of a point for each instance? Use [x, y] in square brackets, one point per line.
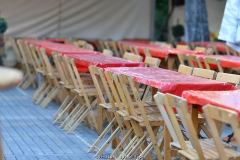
[90, 19]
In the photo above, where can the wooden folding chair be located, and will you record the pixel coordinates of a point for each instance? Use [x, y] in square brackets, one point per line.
[147, 118]
[214, 115]
[107, 52]
[183, 59]
[86, 92]
[30, 75]
[194, 61]
[147, 52]
[204, 73]
[192, 149]
[46, 78]
[114, 105]
[39, 70]
[213, 61]
[111, 45]
[66, 85]
[53, 75]
[229, 50]
[185, 69]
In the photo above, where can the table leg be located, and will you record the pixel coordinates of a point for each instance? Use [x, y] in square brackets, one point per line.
[171, 60]
[194, 114]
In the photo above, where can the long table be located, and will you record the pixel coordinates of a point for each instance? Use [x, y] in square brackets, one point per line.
[162, 52]
[103, 61]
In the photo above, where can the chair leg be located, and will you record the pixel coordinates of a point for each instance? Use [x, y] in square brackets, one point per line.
[78, 122]
[105, 145]
[39, 90]
[103, 134]
[61, 107]
[120, 145]
[49, 97]
[64, 111]
[70, 116]
[44, 93]
[75, 117]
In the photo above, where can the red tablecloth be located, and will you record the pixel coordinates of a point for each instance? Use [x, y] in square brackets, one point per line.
[160, 51]
[57, 40]
[224, 99]
[170, 81]
[36, 42]
[220, 46]
[226, 61]
[65, 49]
[103, 61]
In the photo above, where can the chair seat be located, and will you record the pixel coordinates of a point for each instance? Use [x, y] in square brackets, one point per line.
[154, 119]
[89, 91]
[205, 144]
[210, 154]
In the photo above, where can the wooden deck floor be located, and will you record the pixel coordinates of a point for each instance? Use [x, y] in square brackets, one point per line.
[28, 133]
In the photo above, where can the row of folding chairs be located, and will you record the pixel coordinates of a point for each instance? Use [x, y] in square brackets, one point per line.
[194, 61]
[137, 125]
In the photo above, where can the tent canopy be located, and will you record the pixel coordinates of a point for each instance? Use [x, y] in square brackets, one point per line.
[90, 19]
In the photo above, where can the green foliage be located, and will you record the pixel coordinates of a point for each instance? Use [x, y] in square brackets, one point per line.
[3, 25]
[161, 13]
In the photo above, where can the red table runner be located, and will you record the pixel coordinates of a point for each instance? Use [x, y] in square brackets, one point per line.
[170, 81]
[65, 49]
[224, 99]
[103, 61]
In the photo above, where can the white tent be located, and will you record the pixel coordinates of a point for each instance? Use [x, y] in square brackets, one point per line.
[89, 19]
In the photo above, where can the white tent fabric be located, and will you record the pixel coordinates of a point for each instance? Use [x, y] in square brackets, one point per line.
[90, 19]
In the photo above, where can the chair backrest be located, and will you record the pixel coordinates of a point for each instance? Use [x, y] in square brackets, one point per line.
[213, 61]
[120, 47]
[147, 52]
[230, 50]
[152, 62]
[183, 47]
[107, 52]
[35, 57]
[127, 48]
[227, 77]
[16, 49]
[214, 49]
[89, 47]
[185, 69]
[182, 58]
[111, 45]
[194, 61]
[135, 50]
[132, 57]
[198, 48]
[204, 73]
[50, 71]
[81, 43]
[165, 104]
[213, 114]
[209, 51]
